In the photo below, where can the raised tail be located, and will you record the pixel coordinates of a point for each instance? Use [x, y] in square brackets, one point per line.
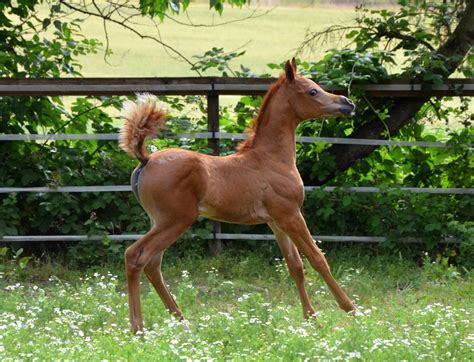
[143, 119]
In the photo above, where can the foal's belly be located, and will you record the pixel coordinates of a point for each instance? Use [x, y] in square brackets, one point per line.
[253, 212]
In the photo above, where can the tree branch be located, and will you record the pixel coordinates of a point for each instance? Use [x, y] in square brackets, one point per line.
[313, 38]
[403, 37]
[124, 24]
[201, 25]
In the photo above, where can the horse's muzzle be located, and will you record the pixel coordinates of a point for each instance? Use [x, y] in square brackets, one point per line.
[346, 107]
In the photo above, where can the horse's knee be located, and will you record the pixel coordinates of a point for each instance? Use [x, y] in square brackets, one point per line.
[133, 261]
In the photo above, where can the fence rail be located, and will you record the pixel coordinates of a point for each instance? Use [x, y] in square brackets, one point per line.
[222, 135]
[213, 87]
[220, 236]
[127, 188]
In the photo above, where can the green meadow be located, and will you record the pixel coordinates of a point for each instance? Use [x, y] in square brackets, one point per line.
[240, 308]
[268, 35]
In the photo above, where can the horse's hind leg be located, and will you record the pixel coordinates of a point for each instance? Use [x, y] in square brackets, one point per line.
[295, 267]
[155, 276]
[139, 254]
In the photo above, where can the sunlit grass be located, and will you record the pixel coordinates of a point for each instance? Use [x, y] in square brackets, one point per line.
[240, 308]
[271, 38]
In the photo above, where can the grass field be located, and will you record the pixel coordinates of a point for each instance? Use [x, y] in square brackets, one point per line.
[241, 308]
[271, 38]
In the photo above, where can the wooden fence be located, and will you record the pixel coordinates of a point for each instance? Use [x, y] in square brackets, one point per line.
[212, 88]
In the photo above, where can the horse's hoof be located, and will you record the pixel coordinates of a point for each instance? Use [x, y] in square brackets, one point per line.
[136, 328]
[186, 325]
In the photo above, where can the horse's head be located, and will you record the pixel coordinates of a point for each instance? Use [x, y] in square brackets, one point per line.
[309, 100]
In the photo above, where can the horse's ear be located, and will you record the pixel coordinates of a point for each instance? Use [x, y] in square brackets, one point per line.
[293, 64]
[289, 72]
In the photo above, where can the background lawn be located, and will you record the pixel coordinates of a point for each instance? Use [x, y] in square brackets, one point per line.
[271, 38]
[240, 308]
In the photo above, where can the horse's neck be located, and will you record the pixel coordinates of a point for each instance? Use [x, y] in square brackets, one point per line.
[276, 134]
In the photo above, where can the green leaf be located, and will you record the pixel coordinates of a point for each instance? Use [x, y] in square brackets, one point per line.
[23, 262]
[46, 23]
[58, 25]
[346, 200]
[3, 251]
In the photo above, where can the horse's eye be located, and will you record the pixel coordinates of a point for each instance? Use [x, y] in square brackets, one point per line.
[313, 92]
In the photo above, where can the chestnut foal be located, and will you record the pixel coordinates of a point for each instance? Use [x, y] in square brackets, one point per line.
[258, 184]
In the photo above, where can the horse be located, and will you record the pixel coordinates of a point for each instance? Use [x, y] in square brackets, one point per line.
[258, 184]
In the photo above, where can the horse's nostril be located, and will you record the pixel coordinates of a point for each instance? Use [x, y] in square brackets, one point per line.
[346, 106]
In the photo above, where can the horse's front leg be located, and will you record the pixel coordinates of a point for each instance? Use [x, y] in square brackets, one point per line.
[295, 267]
[295, 227]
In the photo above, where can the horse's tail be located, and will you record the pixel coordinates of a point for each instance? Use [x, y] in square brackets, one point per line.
[143, 119]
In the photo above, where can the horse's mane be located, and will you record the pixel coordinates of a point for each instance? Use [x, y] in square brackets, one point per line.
[252, 131]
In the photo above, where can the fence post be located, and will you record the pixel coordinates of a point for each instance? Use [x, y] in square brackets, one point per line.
[215, 245]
